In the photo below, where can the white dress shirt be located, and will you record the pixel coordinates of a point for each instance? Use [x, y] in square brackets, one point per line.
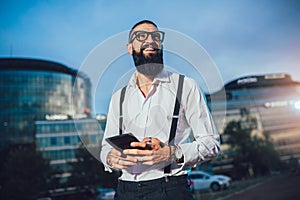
[151, 116]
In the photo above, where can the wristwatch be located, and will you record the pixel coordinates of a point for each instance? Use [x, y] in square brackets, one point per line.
[177, 154]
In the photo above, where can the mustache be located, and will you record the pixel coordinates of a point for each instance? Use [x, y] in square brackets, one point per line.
[153, 45]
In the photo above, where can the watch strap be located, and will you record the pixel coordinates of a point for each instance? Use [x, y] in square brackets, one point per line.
[173, 157]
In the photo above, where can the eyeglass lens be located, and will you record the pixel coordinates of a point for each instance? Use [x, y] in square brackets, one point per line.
[143, 35]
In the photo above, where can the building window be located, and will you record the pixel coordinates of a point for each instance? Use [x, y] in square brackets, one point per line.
[78, 139]
[53, 141]
[67, 140]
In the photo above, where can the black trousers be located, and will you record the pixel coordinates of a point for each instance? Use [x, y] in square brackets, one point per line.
[176, 187]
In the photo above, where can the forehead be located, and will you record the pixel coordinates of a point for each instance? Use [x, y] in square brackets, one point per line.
[145, 27]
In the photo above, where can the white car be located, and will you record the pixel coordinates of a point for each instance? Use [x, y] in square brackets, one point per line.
[200, 180]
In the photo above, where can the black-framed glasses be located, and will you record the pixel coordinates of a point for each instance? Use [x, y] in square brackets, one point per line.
[142, 36]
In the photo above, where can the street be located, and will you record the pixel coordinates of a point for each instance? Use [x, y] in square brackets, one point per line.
[280, 187]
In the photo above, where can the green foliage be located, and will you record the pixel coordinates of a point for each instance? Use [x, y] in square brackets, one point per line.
[88, 171]
[252, 155]
[24, 172]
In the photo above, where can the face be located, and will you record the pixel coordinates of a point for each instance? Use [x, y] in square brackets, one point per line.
[149, 46]
[145, 48]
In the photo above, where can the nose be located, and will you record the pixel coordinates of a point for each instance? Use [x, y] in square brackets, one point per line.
[149, 39]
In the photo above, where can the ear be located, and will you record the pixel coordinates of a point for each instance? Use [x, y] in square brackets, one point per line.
[129, 48]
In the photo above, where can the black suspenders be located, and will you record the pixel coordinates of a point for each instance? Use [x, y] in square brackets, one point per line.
[175, 117]
[167, 169]
[121, 110]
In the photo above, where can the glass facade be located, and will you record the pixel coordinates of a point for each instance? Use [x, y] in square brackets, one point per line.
[31, 90]
[272, 100]
[58, 140]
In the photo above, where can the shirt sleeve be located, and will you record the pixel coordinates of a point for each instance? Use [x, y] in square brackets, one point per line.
[111, 129]
[207, 140]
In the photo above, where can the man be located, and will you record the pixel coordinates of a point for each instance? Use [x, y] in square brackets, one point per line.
[148, 113]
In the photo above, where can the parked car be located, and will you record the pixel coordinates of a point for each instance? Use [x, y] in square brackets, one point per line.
[200, 180]
[105, 193]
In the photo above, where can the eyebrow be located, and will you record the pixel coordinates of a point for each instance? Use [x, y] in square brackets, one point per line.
[132, 30]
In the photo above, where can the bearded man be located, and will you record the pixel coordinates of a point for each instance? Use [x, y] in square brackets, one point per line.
[161, 109]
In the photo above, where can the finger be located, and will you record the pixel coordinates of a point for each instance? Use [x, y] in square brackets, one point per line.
[112, 156]
[149, 163]
[128, 158]
[138, 144]
[144, 145]
[155, 140]
[118, 165]
[156, 160]
[115, 152]
[137, 152]
[148, 160]
[144, 158]
[155, 146]
[123, 164]
[126, 163]
[147, 139]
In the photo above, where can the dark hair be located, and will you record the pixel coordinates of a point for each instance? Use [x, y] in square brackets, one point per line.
[139, 23]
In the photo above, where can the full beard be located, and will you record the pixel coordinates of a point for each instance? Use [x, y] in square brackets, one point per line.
[150, 65]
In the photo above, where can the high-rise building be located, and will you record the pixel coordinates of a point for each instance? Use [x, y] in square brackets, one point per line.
[274, 101]
[32, 90]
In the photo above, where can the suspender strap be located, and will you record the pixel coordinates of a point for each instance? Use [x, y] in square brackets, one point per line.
[167, 169]
[121, 110]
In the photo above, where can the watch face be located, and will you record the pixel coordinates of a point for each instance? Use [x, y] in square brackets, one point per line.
[178, 153]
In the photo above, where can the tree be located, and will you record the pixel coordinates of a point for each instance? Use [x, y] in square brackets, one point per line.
[24, 172]
[252, 155]
[89, 172]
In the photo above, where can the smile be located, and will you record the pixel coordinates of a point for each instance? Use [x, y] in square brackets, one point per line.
[149, 50]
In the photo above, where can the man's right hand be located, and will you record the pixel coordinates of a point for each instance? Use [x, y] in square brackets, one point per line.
[117, 160]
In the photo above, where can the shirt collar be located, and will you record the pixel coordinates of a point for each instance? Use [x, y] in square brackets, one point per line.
[163, 76]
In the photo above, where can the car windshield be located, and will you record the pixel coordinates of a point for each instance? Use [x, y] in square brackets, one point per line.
[199, 176]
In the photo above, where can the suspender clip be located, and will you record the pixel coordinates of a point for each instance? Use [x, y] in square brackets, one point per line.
[166, 179]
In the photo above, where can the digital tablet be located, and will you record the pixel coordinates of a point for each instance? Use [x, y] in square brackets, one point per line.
[122, 142]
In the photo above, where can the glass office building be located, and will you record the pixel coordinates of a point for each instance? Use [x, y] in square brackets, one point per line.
[32, 90]
[274, 101]
[58, 141]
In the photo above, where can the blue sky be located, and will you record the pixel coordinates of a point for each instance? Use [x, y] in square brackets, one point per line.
[243, 37]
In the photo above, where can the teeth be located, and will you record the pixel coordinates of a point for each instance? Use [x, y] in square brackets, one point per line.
[149, 48]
